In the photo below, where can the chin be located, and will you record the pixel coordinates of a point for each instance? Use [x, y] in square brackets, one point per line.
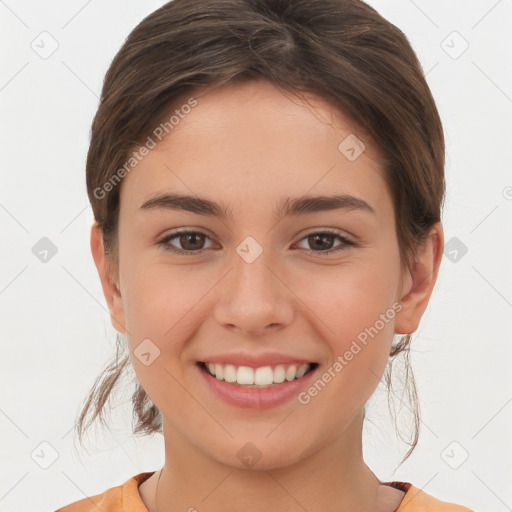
[260, 453]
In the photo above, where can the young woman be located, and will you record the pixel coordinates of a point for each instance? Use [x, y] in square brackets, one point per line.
[267, 180]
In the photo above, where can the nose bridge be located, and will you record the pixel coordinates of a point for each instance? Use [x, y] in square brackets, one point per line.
[252, 275]
[252, 296]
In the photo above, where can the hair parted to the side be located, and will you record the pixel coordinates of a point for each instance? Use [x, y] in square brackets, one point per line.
[340, 50]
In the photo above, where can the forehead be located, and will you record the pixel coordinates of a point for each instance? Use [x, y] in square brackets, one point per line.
[251, 141]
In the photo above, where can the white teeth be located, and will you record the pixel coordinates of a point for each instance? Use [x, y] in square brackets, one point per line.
[291, 373]
[264, 376]
[244, 375]
[257, 377]
[219, 371]
[302, 370]
[229, 373]
[279, 374]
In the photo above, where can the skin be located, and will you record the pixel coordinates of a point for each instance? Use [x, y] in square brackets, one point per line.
[250, 146]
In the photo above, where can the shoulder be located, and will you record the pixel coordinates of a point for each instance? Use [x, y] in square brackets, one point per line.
[416, 500]
[122, 498]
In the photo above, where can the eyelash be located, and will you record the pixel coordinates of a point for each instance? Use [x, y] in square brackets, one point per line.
[164, 243]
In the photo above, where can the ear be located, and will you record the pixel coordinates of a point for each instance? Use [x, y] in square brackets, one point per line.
[110, 287]
[420, 282]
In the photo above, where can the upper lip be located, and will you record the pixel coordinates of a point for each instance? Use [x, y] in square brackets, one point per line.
[256, 360]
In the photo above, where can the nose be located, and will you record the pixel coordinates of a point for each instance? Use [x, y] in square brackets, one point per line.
[254, 298]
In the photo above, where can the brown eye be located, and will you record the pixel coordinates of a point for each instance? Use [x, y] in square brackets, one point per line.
[319, 241]
[191, 241]
[184, 242]
[322, 242]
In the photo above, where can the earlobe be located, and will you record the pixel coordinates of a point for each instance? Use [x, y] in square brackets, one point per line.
[421, 282]
[108, 284]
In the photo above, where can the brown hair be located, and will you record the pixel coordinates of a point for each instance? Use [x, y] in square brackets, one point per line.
[340, 50]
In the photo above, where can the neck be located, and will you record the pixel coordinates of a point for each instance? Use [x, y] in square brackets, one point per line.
[333, 477]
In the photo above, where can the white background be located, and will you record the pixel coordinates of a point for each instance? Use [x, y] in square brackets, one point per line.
[55, 331]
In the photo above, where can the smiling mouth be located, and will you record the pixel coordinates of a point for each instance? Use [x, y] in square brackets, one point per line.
[261, 377]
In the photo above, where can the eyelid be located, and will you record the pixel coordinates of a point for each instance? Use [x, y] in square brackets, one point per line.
[330, 231]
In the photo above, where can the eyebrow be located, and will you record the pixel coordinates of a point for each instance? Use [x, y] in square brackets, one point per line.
[289, 207]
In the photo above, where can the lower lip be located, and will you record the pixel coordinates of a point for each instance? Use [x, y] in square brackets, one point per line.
[258, 398]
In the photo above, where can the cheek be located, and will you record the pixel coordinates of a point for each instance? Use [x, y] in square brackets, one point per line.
[351, 298]
[357, 325]
[159, 302]
[159, 311]
[356, 310]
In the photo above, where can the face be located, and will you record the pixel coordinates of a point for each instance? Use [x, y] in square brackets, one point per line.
[256, 286]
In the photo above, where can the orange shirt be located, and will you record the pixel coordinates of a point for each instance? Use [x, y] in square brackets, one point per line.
[126, 498]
